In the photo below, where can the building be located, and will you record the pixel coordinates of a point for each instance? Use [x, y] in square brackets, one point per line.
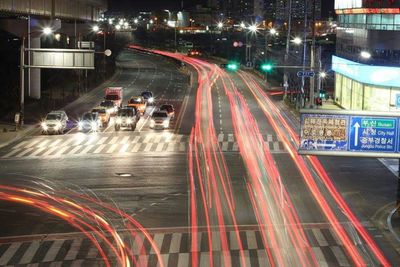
[297, 11]
[367, 57]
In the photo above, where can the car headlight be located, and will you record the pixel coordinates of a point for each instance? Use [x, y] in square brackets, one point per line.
[118, 121]
[129, 121]
[151, 99]
[58, 126]
[80, 125]
[93, 125]
[44, 126]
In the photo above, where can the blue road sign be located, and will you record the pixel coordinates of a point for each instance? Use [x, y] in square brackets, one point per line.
[373, 134]
[397, 100]
[340, 133]
[307, 74]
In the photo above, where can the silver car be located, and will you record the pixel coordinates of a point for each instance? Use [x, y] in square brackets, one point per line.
[90, 122]
[160, 120]
[55, 122]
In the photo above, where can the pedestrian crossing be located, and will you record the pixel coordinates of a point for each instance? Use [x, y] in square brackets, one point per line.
[121, 143]
[174, 248]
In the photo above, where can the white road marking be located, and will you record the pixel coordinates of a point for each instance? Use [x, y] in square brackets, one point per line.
[136, 148]
[99, 149]
[51, 150]
[160, 147]
[20, 144]
[123, 148]
[72, 152]
[62, 150]
[52, 252]
[30, 252]
[102, 140]
[7, 255]
[73, 251]
[148, 147]
[86, 150]
[32, 143]
[26, 151]
[124, 140]
[112, 148]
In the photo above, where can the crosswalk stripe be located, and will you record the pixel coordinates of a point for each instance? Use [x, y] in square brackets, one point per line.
[91, 140]
[147, 138]
[30, 252]
[20, 144]
[220, 138]
[182, 147]
[7, 255]
[124, 148]
[205, 259]
[160, 147]
[340, 256]
[136, 139]
[262, 258]
[224, 146]
[320, 237]
[158, 239]
[99, 149]
[235, 147]
[112, 148]
[74, 150]
[148, 147]
[86, 150]
[33, 143]
[52, 252]
[43, 143]
[183, 260]
[102, 140]
[62, 150]
[136, 148]
[38, 151]
[319, 256]
[175, 243]
[24, 152]
[68, 141]
[13, 152]
[276, 146]
[231, 138]
[124, 140]
[269, 138]
[79, 141]
[251, 240]
[73, 251]
[51, 150]
[92, 253]
[114, 140]
[170, 147]
[234, 245]
[55, 142]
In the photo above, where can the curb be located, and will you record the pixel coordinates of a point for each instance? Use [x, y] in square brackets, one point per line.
[389, 223]
[20, 135]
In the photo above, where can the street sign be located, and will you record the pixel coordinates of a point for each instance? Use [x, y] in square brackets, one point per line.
[53, 58]
[307, 74]
[85, 45]
[350, 133]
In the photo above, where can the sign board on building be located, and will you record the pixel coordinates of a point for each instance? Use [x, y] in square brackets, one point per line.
[85, 45]
[397, 100]
[345, 133]
[61, 58]
[342, 4]
[307, 73]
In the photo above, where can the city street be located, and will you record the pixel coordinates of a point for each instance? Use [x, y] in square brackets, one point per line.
[223, 186]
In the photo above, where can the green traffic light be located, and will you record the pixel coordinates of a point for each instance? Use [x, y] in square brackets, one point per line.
[232, 66]
[266, 67]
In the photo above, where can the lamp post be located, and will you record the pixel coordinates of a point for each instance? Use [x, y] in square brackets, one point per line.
[252, 29]
[285, 75]
[45, 31]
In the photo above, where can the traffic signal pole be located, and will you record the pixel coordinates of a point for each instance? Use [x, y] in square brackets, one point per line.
[289, 29]
[312, 59]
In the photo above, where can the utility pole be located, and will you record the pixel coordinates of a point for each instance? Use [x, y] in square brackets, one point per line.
[22, 82]
[285, 75]
[302, 96]
[312, 59]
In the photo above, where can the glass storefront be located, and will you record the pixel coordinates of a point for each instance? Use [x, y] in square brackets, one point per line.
[354, 95]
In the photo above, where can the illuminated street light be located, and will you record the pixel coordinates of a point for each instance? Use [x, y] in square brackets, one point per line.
[118, 27]
[253, 28]
[220, 25]
[242, 25]
[297, 40]
[47, 30]
[365, 54]
[322, 74]
[136, 21]
[273, 31]
[96, 28]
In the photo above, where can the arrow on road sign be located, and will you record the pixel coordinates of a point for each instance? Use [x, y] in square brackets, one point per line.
[356, 127]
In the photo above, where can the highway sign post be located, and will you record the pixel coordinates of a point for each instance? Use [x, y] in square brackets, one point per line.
[349, 133]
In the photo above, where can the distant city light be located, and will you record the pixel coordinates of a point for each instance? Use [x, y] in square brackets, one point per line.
[96, 28]
[47, 30]
[322, 74]
[253, 28]
[136, 21]
[273, 31]
[242, 25]
[220, 25]
[118, 27]
[365, 54]
[297, 40]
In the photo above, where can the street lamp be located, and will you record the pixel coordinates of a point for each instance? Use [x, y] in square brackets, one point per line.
[242, 25]
[297, 40]
[45, 31]
[253, 28]
[273, 31]
[220, 25]
[322, 74]
[365, 54]
[95, 28]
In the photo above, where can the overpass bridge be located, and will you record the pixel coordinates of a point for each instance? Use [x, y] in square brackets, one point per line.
[25, 18]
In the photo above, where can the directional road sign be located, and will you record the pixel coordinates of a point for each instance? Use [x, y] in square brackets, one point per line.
[307, 74]
[350, 133]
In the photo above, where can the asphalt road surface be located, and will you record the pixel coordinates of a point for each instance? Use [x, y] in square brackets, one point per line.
[223, 186]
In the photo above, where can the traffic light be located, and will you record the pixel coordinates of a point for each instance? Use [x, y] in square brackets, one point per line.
[267, 67]
[232, 66]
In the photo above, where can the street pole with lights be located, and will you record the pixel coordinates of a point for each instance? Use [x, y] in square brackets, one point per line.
[312, 59]
[45, 31]
[289, 29]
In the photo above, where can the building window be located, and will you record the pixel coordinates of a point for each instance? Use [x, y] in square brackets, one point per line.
[376, 98]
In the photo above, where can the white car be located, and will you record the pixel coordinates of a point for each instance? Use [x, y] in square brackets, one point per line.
[55, 122]
[160, 120]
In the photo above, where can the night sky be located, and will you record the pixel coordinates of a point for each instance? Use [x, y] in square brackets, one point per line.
[148, 5]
